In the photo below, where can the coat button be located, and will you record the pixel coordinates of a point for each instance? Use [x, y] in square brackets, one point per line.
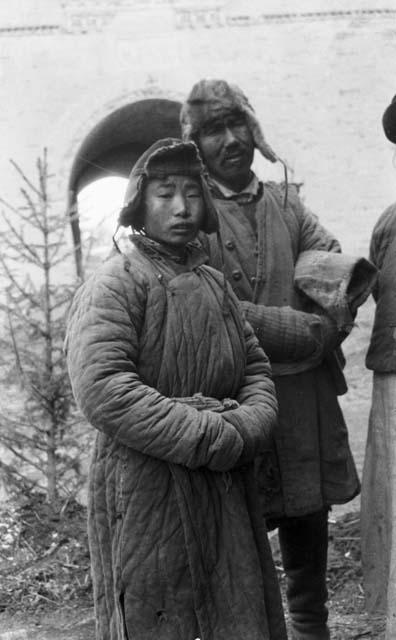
[230, 244]
[236, 274]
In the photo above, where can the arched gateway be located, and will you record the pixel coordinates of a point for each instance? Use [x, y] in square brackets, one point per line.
[112, 147]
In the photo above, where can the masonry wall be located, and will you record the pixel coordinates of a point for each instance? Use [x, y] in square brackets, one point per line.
[319, 87]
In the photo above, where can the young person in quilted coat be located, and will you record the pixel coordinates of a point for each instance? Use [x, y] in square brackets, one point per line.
[165, 368]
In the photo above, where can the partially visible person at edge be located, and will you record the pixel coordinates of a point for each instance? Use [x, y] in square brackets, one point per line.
[378, 505]
[164, 366]
[264, 231]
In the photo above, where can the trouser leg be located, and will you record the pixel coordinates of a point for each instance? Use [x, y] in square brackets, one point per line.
[303, 543]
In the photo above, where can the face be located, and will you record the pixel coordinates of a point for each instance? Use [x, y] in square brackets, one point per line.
[227, 147]
[174, 210]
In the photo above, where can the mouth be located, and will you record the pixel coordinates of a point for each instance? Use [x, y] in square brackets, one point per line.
[183, 227]
[234, 157]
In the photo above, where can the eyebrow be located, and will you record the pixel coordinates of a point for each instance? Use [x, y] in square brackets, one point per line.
[220, 120]
[213, 122]
[192, 183]
[168, 182]
[165, 182]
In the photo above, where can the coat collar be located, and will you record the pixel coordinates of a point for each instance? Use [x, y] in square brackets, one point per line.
[193, 256]
[249, 194]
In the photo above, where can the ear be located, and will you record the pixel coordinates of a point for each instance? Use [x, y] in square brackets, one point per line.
[131, 213]
[258, 137]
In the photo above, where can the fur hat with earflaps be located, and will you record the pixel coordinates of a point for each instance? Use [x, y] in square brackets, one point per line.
[210, 99]
[169, 156]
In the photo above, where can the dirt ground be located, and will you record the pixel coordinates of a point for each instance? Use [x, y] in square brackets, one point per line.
[348, 619]
[62, 564]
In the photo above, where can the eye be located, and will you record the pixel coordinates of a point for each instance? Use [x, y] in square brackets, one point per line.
[236, 120]
[194, 194]
[166, 195]
[213, 127]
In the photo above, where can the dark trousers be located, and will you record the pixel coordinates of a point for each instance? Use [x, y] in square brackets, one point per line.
[303, 542]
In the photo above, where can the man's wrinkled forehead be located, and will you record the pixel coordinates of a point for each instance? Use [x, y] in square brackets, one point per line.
[221, 118]
[213, 112]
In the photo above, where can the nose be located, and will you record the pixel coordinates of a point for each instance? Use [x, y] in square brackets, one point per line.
[180, 206]
[229, 136]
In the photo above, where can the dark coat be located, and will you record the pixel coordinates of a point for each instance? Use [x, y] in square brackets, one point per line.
[381, 356]
[178, 547]
[311, 465]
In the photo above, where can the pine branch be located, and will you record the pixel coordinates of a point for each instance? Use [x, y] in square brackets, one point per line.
[14, 258]
[15, 347]
[33, 362]
[35, 325]
[9, 206]
[61, 259]
[23, 291]
[13, 448]
[31, 207]
[61, 244]
[62, 302]
[26, 218]
[23, 458]
[41, 396]
[41, 245]
[10, 470]
[25, 247]
[25, 178]
[23, 440]
[43, 174]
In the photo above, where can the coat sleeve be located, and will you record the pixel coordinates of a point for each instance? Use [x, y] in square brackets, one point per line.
[256, 416]
[103, 351]
[288, 335]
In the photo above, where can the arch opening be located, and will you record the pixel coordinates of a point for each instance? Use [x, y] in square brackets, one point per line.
[99, 204]
[108, 153]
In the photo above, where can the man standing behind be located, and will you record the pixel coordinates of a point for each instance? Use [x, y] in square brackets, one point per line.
[378, 504]
[264, 228]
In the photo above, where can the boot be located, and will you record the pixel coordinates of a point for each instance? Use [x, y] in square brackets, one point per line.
[303, 543]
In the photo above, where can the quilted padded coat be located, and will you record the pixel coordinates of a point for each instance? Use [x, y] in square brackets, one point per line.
[178, 549]
[311, 466]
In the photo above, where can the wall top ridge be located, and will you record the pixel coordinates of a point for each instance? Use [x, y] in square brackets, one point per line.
[90, 16]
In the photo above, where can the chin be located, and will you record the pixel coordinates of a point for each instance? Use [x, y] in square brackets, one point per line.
[238, 175]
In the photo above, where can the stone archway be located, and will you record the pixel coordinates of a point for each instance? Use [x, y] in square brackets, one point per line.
[112, 147]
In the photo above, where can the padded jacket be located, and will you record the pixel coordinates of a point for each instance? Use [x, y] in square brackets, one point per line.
[178, 548]
[310, 466]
